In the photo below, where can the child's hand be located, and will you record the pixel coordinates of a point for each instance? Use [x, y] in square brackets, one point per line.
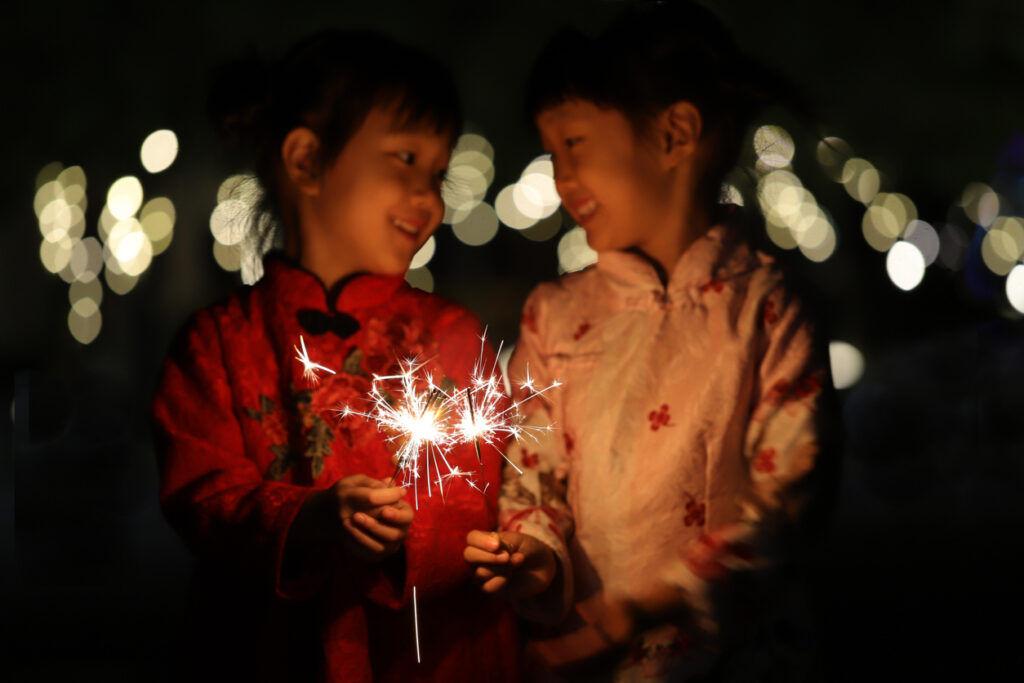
[509, 564]
[374, 518]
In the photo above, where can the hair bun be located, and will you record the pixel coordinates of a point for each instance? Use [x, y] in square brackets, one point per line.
[238, 99]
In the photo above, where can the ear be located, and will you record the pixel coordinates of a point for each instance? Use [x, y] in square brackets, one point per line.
[681, 127]
[299, 157]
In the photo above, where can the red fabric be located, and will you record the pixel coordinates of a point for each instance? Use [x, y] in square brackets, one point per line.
[244, 439]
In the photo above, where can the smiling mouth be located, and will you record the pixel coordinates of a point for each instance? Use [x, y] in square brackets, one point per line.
[406, 227]
[585, 210]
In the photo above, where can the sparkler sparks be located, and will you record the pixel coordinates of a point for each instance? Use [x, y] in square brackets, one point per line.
[309, 368]
[428, 420]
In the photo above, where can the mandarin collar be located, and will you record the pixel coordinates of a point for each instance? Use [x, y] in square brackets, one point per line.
[704, 260]
[297, 288]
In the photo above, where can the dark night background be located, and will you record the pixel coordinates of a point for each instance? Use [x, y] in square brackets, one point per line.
[918, 578]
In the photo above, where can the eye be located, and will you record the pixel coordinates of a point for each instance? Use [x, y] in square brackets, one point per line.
[408, 158]
[572, 142]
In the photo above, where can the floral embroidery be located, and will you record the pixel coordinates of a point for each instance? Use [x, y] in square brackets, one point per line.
[581, 330]
[274, 424]
[765, 460]
[659, 418]
[570, 443]
[694, 513]
[808, 386]
[530, 459]
[530, 319]
[777, 393]
[771, 316]
[716, 285]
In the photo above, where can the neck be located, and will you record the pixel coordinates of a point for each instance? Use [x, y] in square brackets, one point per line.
[303, 247]
[680, 229]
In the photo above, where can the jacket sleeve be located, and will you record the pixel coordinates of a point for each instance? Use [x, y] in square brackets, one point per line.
[787, 455]
[533, 497]
[211, 491]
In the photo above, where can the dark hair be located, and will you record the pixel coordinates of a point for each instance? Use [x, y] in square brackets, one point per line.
[328, 82]
[651, 56]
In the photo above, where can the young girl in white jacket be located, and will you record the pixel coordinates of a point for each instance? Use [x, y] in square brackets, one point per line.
[685, 449]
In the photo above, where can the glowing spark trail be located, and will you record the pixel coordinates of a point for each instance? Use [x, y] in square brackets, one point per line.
[416, 623]
[309, 368]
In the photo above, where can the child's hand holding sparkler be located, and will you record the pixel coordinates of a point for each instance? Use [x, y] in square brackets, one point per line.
[370, 518]
[510, 564]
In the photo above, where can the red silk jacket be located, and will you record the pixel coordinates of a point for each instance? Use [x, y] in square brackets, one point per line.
[244, 439]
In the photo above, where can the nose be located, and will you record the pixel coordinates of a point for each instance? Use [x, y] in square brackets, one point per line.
[565, 175]
[426, 195]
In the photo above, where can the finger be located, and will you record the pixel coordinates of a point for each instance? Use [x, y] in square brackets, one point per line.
[485, 540]
[360, 480]
[367, 497]
[382, 532]
[400, 514]
[495, 585]
[478, 556]
[484, 574]
[362, 538]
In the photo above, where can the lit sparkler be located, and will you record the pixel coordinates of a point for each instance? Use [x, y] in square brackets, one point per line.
[309, 368]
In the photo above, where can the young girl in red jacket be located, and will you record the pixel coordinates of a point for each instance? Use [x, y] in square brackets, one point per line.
[307, 556]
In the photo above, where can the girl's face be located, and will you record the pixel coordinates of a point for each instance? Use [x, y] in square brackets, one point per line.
[379, 200]
[614, 184]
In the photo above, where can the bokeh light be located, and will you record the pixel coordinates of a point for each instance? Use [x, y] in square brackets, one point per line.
[232, 220]
[227, 256]
[508, 213]
[85, 321]
[544, 229]
[1003, 244]
[905, 265]
[793, 217]
[847, 364]
[860, 179]
[124, 197]
[420, 278]
[157, 219]
[86, 260]
[91, 289]
[923, 236]
[773, 146]
[424, 254]
[479, 227]
[886, 219]
[119, 282]
[981, 203]
[1015, 287]
[573, 251]
[469, 176]
[530, 199]
[229, 222]
[159, 150]
[832, 153]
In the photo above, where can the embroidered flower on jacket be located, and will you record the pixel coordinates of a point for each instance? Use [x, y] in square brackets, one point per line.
[581, 330]
[570, 443]
[765, 460]
[530, 459]
[530, 319]
[659, 418]
[694, 513]
[714, 284]
[771, 315]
